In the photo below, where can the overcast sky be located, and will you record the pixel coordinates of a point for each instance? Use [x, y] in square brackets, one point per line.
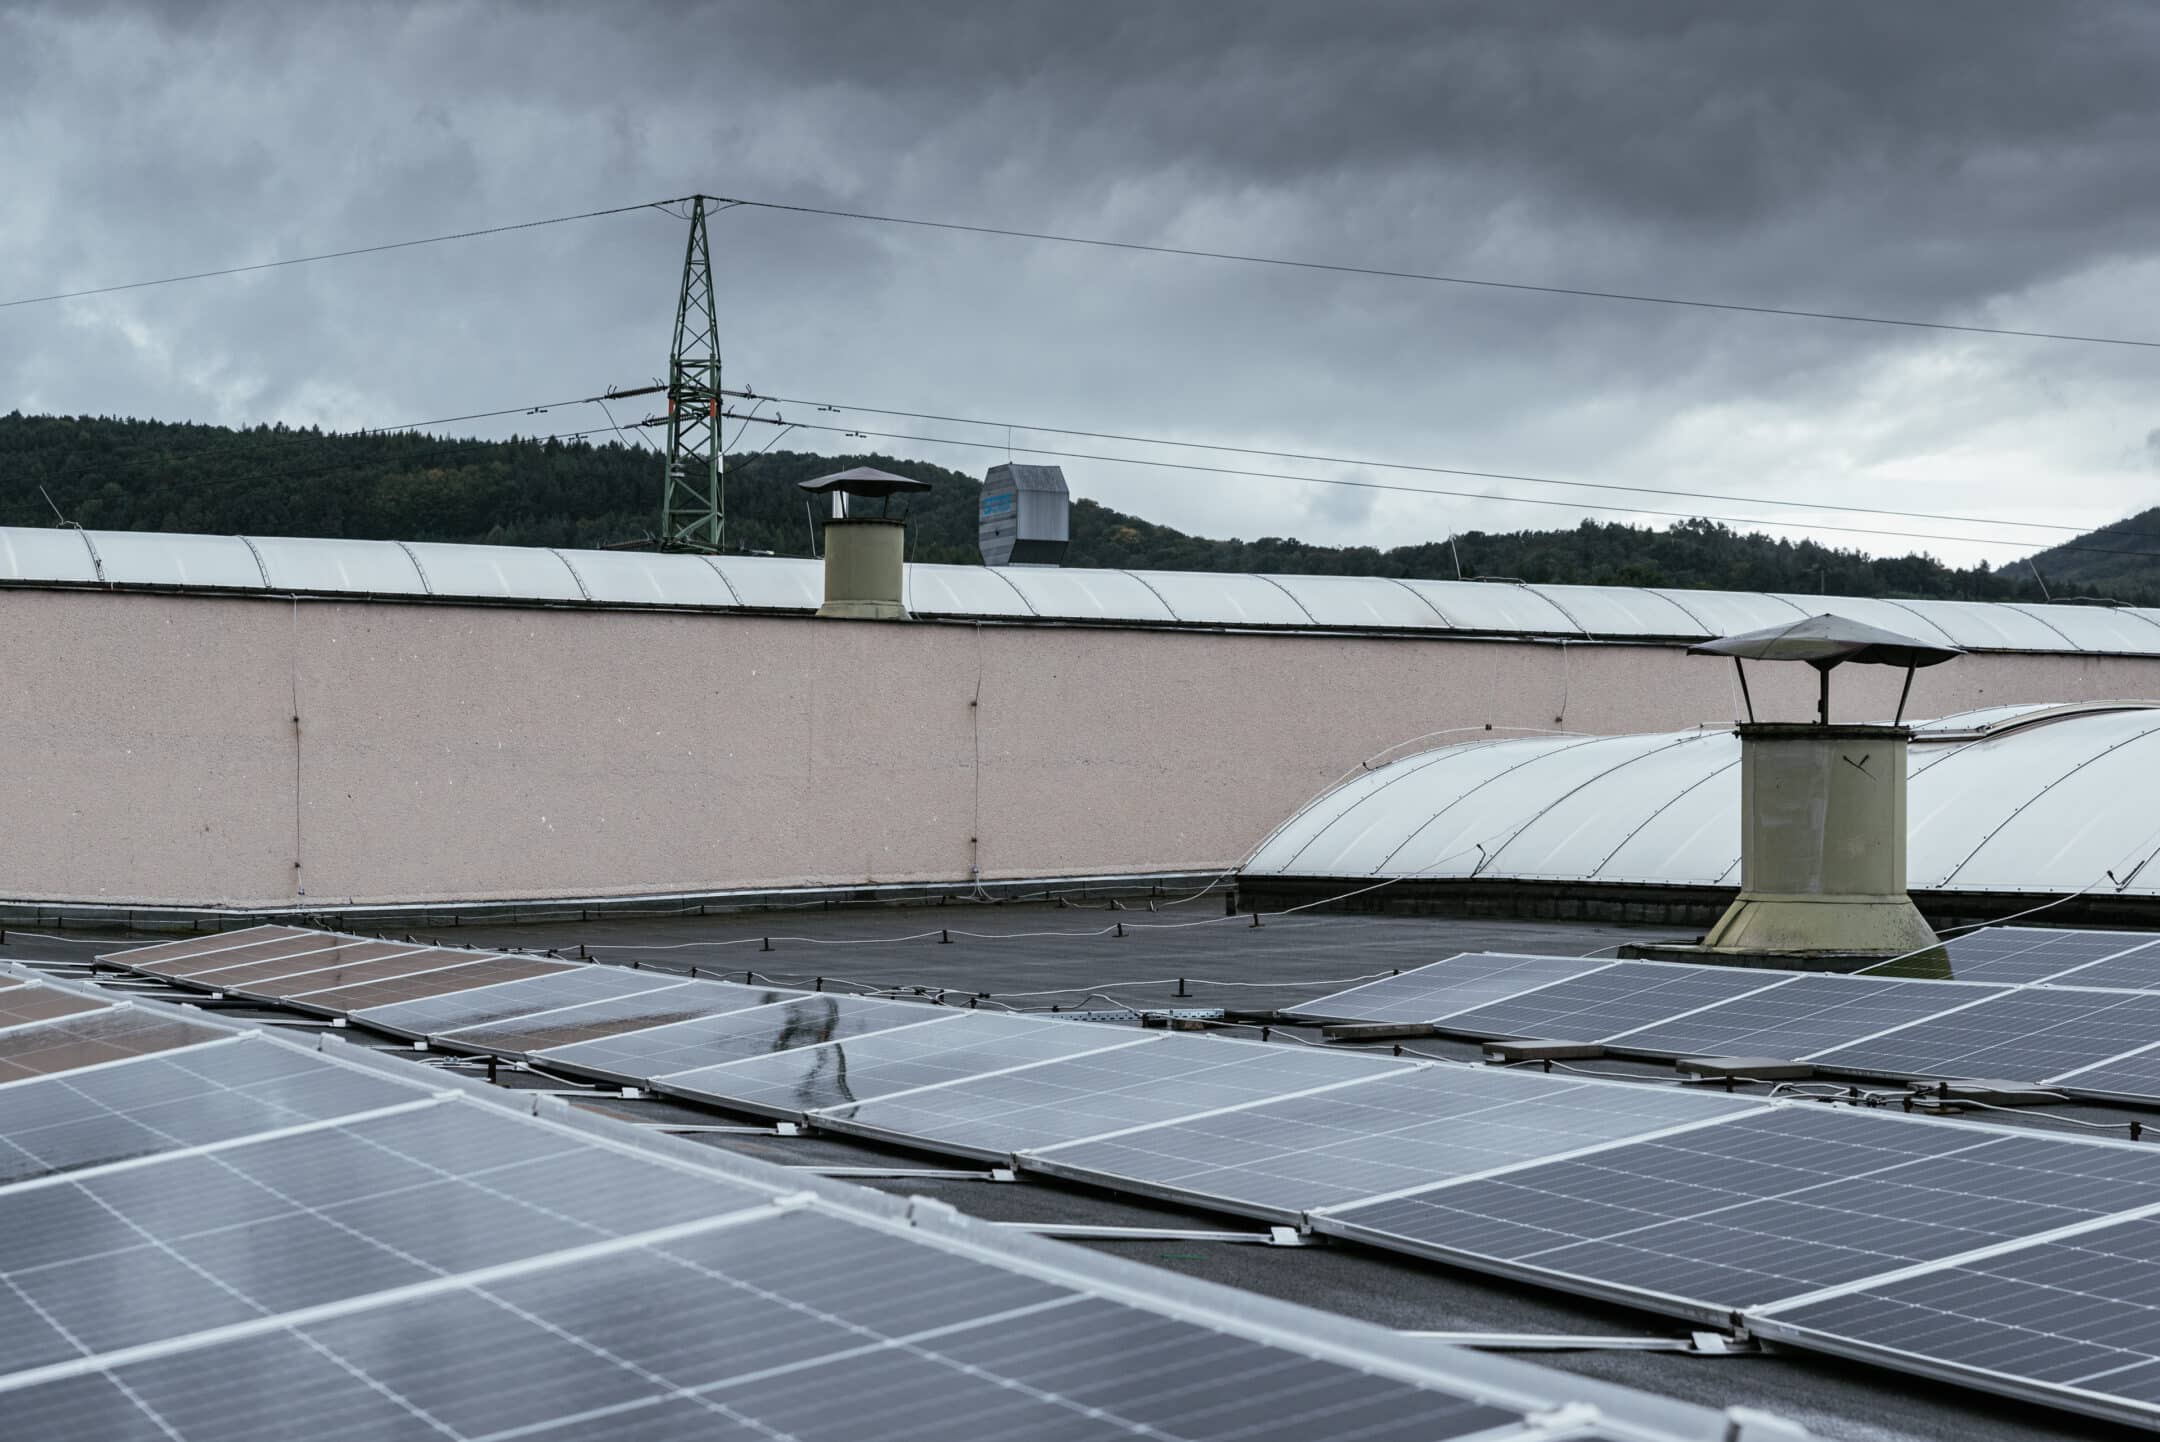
[1993, 164]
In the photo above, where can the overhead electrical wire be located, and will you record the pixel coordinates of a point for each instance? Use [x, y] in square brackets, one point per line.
[2013, 542]
[1435, 278]
[359, 250]
[1370, 464]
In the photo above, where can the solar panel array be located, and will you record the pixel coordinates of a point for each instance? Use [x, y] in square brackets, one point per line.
[2027, 1004]
[1707, 1205]
[213, 1239]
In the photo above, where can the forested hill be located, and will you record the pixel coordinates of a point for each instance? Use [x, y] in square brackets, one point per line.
[146, 475]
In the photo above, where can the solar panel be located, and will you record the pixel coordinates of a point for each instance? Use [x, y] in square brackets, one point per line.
[1804, 1016]
[953, 1047]
[211, 1092]
[2023, 1035]
[588, 1021]
[25, 1004]
[1157, 1079]
[159, 957]
[1759, 1208]
[108, 1034]
[789, 1325]
[322, 957]
[2134, 1076]
[509, 1000]
[2074, 1320]
[633, 1058]
[345, 1000]
[125, 1257]
[2135, 970]
[1446, 987]
[335, 967]
[1615, 998]
[2020, 954]
[1280, 1159]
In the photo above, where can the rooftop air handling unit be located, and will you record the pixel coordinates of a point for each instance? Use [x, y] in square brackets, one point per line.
[864, 555]
[1025, 519]
[1823, 828]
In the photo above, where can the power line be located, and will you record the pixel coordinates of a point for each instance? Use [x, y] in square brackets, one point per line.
[1436, 491]
[328, 255]
[1420, 469]
[1481, 282]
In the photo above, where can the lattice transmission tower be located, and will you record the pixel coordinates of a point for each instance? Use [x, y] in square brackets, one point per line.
[693, 508]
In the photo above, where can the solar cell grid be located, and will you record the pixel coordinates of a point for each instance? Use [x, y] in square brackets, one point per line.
[1158, 1079]
[1617, 998]
[1801, 1017]
[237, 956]
[334, 967]
[587, 1021]
[512, 999]
[153, 957]
[212, 1092]
[2134, 1076]
[2018, 955]
[28, 1004]
[2026, 1035]
[2137, 969]
[347, 999]
[1280, 1159]
[259, 975]
[143, 1254]
[2081, 1312]
[108, 1034]
[636, 1057]
[1446, 987]
[1762, 1208]
[788, 1325]
[941, 1049]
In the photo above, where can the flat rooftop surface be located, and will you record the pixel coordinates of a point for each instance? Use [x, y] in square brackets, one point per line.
[1034, 956]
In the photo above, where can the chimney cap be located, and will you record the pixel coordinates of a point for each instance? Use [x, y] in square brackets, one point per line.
[864, 481]
[1826, 641]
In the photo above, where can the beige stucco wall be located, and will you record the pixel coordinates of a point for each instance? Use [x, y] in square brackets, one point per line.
[148, 750]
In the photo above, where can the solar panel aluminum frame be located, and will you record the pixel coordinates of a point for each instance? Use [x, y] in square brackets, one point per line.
[1768, 1323]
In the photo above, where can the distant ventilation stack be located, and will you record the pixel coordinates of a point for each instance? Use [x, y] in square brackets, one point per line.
[865, 575]
[1822, 823]
[1024, 516]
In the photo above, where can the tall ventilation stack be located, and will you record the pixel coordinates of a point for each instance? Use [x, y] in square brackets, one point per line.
[1823, 825]
[1026, 516]
[865, 556]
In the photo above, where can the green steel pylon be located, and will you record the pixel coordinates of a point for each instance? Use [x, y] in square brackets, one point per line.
[693, 514]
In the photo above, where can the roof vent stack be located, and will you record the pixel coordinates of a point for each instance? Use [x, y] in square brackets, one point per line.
[865, 574]
[1025, 516]
[1822, 805]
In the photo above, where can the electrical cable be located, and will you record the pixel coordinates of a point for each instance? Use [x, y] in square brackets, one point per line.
[1370, 464]
[1740, 521]
[328, 255]
[1480, 282]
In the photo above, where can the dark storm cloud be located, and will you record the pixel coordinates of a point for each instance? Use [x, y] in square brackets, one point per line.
[1964, 161]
